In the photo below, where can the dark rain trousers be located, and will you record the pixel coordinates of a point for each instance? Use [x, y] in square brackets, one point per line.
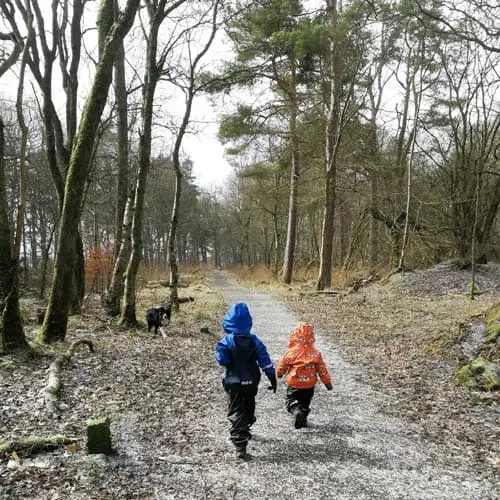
[241, 414]
[298, 400]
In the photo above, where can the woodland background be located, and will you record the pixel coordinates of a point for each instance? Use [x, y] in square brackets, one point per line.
[364, 137]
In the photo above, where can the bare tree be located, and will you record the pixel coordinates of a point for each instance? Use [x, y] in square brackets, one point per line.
[41, 60]
[124, 204]
[190, 89]
[110, 35]
[7, 60]
[157, 12]
[12, 333]
[123, 156]
[11, 324]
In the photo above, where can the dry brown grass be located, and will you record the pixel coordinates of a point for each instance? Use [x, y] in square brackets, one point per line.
[161, 272]
[207, 306]
[406, 344]
[261, 275]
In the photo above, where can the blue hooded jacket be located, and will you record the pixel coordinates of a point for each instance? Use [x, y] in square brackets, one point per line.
[238, 323]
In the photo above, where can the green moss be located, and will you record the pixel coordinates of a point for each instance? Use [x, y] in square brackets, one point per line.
[464, 377]
[479, 374]
[493, 324]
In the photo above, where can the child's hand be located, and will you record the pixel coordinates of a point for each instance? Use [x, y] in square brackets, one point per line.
[274, 384]
[328, 387]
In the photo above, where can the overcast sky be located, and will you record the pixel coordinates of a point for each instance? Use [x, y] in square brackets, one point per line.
[203, 148]
[210, 166]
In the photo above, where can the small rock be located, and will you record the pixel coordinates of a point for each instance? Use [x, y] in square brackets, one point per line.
[13, 464]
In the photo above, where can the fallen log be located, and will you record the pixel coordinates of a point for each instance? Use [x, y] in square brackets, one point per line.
[317, 293]
[357, 284]
[34, 444]
[51, 391]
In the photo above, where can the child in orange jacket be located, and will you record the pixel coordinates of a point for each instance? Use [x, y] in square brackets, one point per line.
[303, 364]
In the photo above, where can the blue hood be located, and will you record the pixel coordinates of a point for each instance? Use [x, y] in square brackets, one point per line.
[237, 320]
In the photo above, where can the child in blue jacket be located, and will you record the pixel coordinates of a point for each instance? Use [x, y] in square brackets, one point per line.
[242, 353]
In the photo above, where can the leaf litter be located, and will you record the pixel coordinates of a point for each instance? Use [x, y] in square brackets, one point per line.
[167, 408]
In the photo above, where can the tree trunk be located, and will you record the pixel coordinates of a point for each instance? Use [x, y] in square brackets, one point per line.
[294, 181]
[78, 278]
[410, 151]
[373, 228]
[402, 151]
[473, 246]
[45, 263]
[55, 323]
[12, 333]
[172, 260]
[174, 221]
[33, 241]
[52, 389]
[11, 324]
[122, 181]
[128, 313]
[326, 251]
[114, 294]
[331, 149]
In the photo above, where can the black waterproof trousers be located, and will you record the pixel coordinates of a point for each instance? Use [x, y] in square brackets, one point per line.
[298, 399]
[241, 414]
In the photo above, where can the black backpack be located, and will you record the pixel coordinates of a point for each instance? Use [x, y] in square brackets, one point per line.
[243, 374]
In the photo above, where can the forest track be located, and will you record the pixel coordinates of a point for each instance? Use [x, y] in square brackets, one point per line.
[169, 426]
[351, 449]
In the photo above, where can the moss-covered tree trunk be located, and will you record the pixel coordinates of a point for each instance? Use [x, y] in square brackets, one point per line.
[78, 279]
[128, 310]
[12, 333]
[110, 35]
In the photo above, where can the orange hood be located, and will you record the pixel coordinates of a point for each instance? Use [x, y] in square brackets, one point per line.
[302, 334]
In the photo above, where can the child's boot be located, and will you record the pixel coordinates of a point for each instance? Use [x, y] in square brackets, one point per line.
[300, 419]
[241, 452]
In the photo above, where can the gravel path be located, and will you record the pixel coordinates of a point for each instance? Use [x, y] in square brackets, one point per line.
[350, 450]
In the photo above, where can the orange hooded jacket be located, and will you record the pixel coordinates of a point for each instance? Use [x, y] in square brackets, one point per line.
[302, 363]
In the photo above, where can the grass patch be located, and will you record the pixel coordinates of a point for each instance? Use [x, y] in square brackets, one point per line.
[304, 276]
[207, 306]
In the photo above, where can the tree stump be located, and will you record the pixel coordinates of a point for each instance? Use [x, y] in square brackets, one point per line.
[99, 437]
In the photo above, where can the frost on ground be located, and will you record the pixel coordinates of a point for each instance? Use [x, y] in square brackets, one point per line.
[374, 436]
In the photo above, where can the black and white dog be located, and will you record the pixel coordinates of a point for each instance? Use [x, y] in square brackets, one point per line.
[156, 315]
